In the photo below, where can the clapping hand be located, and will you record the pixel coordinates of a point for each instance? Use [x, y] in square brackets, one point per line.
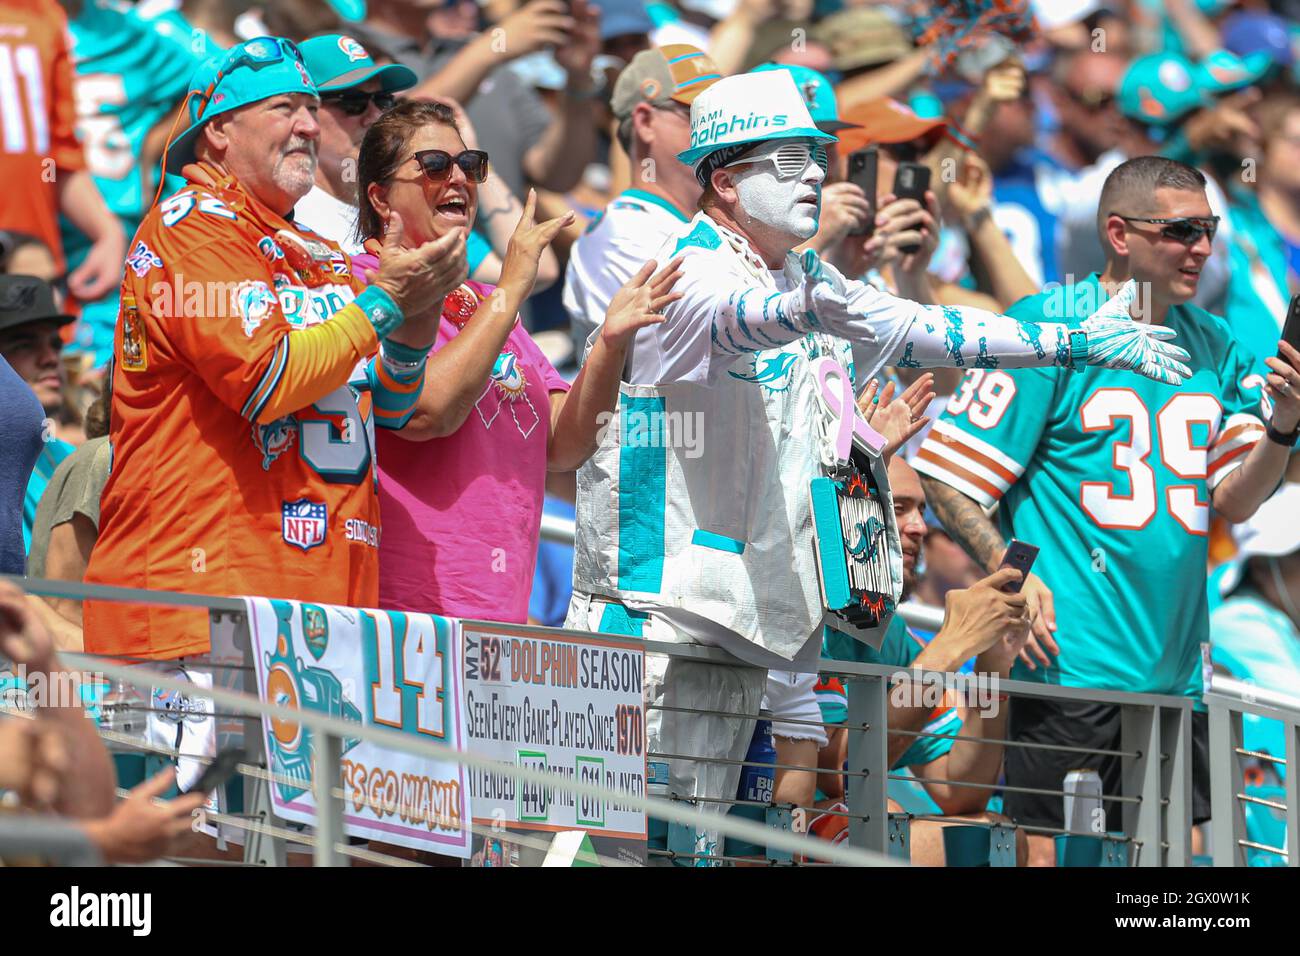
[901, 418]
[640, 302]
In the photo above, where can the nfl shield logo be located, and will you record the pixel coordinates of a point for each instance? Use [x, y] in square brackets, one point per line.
[302, 523]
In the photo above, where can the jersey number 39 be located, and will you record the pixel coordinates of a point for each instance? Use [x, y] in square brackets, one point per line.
[1177, 448]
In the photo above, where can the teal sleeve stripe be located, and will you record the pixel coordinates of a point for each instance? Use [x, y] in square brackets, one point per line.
[393, 409]
[617, 619]
[267, 384]
[380, 309]
[643, 492]
[926, 749]
[834, 708]
[719, 542]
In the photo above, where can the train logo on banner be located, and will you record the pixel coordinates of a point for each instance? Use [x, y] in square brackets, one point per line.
[290, 683]
[370, 668]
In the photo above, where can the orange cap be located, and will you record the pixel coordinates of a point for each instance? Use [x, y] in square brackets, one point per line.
[885, 120]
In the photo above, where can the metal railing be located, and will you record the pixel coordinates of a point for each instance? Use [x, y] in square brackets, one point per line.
[1154, 753]
[1228, 700]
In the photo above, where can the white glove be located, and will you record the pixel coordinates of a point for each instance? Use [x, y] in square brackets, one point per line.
[1116, 341]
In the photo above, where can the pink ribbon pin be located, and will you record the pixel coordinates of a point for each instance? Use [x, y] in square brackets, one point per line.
[839, 399]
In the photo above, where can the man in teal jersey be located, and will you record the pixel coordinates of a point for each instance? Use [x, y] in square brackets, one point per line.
[982, 622]
[1114, 481]
[130, 77]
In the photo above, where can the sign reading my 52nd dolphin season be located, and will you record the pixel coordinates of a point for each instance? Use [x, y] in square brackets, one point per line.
[569, 705]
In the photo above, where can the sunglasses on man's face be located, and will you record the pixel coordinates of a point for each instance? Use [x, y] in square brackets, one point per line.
[355, 103]
[1185, 229]
[790, 159]
[436, 164]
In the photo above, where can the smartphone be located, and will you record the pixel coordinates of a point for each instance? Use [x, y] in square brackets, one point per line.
[862, 173]
[912, 182]
[1021, 557]
[1291, 331]
[219, 771]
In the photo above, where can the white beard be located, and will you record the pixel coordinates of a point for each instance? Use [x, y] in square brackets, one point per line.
[771, 201]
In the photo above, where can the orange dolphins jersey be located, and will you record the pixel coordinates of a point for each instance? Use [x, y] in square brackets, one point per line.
[37, 118]
[230, 477]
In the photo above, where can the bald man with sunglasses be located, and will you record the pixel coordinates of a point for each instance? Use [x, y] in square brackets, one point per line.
[1115, 479]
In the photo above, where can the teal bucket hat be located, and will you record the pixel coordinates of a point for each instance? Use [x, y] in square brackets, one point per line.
[817, 92]
[338, 62]
[254, 70]
[748, 108]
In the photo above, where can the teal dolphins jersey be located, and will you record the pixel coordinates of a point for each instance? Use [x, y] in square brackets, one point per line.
[167, 18]
[164, 16]
[900, 648]
[129, 78]
[1110, 475]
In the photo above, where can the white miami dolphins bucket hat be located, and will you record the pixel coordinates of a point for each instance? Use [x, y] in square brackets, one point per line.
[739, 111]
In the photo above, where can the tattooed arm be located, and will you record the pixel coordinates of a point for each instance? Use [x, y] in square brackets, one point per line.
[966, 523]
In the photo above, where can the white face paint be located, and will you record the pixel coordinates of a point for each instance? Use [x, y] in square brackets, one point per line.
[789, 206]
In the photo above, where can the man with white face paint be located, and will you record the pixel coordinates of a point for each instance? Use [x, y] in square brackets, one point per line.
[717, 547]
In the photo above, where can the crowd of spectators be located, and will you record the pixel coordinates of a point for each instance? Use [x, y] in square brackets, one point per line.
[502, 174]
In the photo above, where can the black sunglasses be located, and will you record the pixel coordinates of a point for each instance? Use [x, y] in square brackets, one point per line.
[436, 164]
[355, 103]
[1186, 229]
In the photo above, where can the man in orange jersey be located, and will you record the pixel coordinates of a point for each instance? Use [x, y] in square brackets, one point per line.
[251, 371]
[42, 168]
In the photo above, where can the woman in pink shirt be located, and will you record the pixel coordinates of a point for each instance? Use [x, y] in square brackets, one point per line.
[461, 485]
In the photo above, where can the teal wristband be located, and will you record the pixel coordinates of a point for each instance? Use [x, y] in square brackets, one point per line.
[1078, 349]
[380, 309]
[403, 354]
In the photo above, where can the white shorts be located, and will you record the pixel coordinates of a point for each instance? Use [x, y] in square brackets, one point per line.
[790, 697]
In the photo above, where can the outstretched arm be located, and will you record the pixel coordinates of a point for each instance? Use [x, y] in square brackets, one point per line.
[740, 315]
[965, 337]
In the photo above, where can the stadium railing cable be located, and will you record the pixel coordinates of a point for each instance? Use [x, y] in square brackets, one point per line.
[1155, 799]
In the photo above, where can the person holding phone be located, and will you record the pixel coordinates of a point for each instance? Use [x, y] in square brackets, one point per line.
[1114, 479]
[988, 622]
